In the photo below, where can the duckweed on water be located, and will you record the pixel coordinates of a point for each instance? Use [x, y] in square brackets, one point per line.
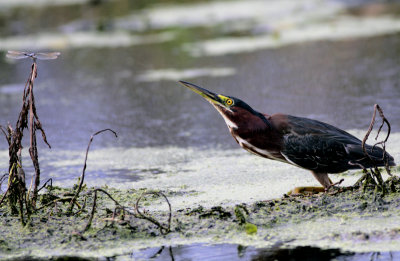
[346, 220]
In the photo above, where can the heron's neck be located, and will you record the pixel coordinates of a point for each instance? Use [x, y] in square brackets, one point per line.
[232, 125]
[246, 122]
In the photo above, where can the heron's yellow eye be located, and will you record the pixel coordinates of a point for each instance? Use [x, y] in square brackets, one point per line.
[229, 102]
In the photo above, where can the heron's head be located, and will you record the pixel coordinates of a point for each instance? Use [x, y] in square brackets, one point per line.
[234, 111]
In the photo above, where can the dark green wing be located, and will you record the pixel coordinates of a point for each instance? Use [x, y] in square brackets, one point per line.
[321, 147]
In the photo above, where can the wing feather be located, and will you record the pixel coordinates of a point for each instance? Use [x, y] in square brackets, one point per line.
[321, 147]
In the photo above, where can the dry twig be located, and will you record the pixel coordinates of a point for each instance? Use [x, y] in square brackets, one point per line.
[64, 199]
[163, 229]
[82, 178]
[371, 126]
[89, 223]
[374, 172]
[50, 180]
[4, 177]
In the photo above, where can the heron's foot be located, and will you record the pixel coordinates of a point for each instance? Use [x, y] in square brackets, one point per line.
[306, 190]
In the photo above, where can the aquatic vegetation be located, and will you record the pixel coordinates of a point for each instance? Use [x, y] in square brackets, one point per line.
[21, 201]
[113, 229]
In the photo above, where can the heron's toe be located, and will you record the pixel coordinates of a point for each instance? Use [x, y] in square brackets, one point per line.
[306, 190]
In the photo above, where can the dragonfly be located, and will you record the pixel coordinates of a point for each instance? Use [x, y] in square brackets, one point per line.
[40, 56]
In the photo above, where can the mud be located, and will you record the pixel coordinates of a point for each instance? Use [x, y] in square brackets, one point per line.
[354, 220]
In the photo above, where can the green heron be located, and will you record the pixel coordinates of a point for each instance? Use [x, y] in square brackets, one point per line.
[305, 143]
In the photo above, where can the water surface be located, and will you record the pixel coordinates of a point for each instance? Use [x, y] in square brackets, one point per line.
[120, 71]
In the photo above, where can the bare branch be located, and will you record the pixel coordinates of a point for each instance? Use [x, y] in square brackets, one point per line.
[376, 173]
[50, 180]
[163, 229]
[53, 202]
[333, 184]
[371, 126]
[5, 175]
[5, 134]
[71, 205]
[4, 196]
[89, 223]
[105, 192]
[384, 120]
[39, 127]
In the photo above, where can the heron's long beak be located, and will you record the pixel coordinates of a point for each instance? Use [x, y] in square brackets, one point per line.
[209, 96]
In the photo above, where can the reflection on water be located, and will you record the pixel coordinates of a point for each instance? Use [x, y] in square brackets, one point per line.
[175, 75]
[232, 252]
[61, 41]
[343, 28]
[238, 252]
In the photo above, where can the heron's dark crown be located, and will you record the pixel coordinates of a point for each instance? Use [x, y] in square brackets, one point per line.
[241, 104]
[238, 103]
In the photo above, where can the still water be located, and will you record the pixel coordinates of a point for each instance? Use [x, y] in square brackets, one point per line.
[238, 252]
[86, 90]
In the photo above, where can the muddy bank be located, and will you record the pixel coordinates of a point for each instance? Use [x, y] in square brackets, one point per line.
[360, 220]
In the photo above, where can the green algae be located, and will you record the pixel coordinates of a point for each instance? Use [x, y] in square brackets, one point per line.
[353, 220]
[251, 229]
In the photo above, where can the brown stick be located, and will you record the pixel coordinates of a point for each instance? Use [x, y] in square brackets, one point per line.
[5, 135]
[4, 196]
[105, 192]
[89, 223]
[71, 204]
[333, 184]
[50, 180]
[32, 136]
[53, 202]
[163, 229]
[371, 126]
[384, 120]
[5, 175]
[376, 173]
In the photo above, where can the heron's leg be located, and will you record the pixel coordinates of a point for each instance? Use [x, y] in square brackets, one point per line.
[323, 179]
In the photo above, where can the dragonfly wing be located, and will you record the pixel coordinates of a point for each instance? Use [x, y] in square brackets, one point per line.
[47, 56]
[16, 55]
